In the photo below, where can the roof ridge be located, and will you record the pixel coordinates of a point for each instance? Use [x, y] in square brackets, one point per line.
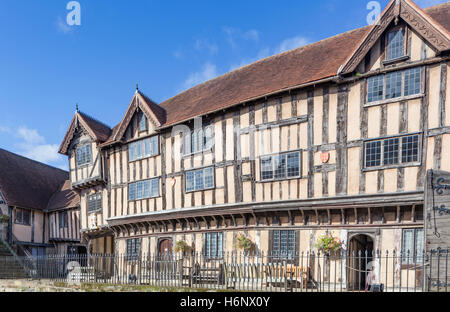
[94, 119]
[32, 160]
[287, 52]
[268, 58]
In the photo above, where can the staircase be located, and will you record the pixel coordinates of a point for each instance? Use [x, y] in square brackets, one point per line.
[10, 267]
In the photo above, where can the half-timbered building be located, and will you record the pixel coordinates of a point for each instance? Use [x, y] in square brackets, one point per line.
[43, 211]
[335, 136]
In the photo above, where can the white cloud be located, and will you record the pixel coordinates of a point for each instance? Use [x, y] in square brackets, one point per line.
[235, 34]
[61, 26]
[208, 72]
[5, 129]
[285, 45]
[292, 43]
[204, 44]
[29, 143]
[428, 3]
[30, 136]
[45, 153]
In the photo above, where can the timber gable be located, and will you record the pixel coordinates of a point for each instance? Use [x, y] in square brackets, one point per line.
[414, 17]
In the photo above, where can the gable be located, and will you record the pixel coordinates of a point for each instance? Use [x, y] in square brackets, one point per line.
[415, 48]
[82, 123]
[139, 105]
[399, 12]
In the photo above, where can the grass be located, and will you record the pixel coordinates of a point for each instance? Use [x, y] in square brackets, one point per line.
[93, 287]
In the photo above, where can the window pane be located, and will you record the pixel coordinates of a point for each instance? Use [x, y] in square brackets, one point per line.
[194, 142]
[200, 138]
[266, 168]
[391, 147]
[375, 88]
[187, 143]
[410, 149]
[139, 190]
[407, 245]
[373, 154]
[143, 123]
[155, 148]
[219, 245]
[209, 177]
[155, 187]
[147, 148]
[26, 217]
[189, 181]
[131, 152]
[280, 166]
[208, 138]
[146, 189]
[132, 192]
[393, 85]
[276, 243]
[412, 81]
[419, 246]
[139, 149]
[395, 44]
[199, 180]
[293, 165]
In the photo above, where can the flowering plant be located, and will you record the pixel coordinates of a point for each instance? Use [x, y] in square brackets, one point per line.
[243, 242]
[4, 218]
[182, 246]
[328, 243]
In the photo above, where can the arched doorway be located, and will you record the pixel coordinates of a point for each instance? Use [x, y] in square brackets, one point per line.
[360, 249]
[165, 246]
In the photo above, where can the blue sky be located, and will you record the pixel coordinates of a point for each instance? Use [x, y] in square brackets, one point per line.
[47, 66]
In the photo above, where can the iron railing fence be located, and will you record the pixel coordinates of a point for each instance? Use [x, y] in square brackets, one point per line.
[293, 272]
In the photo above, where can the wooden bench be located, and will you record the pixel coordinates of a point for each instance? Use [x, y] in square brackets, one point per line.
[279, 274]
[208, 275]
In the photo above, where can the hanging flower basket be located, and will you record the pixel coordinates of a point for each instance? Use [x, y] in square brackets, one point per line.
[244, 243]
[329, 244]
[182, 246]
[4, 219]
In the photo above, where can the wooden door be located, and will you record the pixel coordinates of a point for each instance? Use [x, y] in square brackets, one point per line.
[165, 246]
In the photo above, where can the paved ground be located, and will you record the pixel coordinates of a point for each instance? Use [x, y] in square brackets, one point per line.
[50, 286]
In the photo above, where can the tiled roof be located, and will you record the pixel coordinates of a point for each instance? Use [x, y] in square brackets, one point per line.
[27, 183]
[274, 74]
[100, 130]
[313, 62]
[63, 198]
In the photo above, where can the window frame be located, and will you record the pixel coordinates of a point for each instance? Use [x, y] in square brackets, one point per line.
[143, 117]
[386, 100]
[205, 139]
[287, 177]
[97, 201]
[204, 188]
[404, 29]
[400, 163]
[136, 246]
[64, 217]
[414, 260]
[22, 220]
[280, 257]
[136, 183]
[218, 254]
[142, 140]
[86, 162]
